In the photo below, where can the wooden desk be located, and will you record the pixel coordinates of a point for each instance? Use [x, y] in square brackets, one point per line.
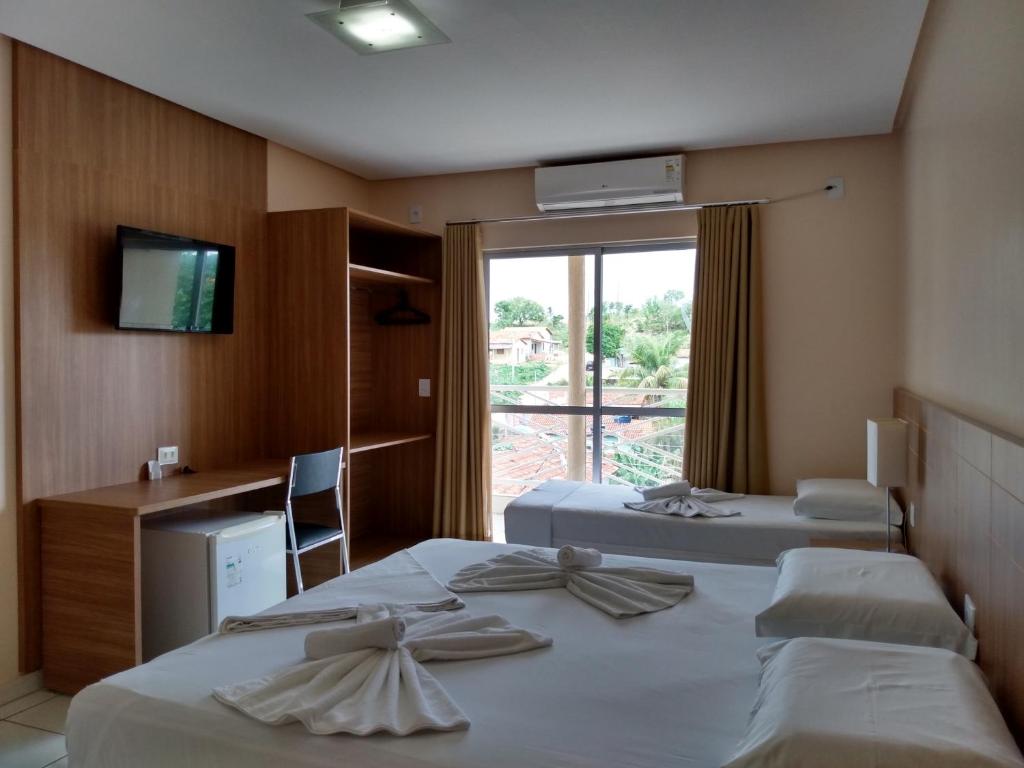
[92, 585]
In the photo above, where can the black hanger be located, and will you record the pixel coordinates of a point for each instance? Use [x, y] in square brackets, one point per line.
[402, 313]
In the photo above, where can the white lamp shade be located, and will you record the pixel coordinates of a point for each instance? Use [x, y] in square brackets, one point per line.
[887, 453]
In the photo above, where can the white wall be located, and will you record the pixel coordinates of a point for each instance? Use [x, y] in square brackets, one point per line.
[8, 507]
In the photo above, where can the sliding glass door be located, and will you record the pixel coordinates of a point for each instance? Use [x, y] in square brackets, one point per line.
[581, 394]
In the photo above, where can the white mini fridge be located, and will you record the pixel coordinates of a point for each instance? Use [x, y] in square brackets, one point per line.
[198, 569]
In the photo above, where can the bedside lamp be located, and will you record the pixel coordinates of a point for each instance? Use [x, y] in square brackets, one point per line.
[887, 462]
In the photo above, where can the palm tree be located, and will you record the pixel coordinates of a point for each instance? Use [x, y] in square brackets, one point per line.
[654, 363]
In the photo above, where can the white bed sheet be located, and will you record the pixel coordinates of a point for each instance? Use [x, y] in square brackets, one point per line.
[560, 512]
[669, 688]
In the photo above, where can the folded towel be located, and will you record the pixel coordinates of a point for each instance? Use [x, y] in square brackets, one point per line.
[619, 592]
[374, 689]
[579, 557]
[666, 491]
[398, 579]
[695, 502]
[386, 633]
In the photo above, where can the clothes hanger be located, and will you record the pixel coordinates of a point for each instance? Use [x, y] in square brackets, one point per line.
[402, 313]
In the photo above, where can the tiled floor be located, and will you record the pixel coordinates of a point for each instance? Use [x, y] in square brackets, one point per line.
[32, 731]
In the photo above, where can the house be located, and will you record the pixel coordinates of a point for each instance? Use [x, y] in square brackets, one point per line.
[521, 344]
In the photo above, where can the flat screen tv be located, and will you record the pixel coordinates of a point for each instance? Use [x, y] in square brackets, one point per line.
[171, 283]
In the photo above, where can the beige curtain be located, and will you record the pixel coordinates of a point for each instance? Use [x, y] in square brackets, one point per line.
[725, 423]
[462, 498]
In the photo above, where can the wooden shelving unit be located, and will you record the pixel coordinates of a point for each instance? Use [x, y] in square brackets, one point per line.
[360, 264]
[363, 274]
[370, 441]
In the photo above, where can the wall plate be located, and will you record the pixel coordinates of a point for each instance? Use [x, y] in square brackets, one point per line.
[167, 454]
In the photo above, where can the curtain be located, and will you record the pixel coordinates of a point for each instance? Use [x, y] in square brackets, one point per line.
[725, 421]
[462, 499]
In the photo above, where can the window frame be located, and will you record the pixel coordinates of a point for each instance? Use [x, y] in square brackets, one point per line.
[597, 410]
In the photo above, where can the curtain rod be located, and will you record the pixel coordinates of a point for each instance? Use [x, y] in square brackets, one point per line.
[627, 209]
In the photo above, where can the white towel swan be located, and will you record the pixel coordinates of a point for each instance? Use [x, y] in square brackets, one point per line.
[379, 688]
[684, 501]
[619, 592]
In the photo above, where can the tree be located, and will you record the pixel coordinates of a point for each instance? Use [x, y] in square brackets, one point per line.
[669, 313]
[612, 337]
[649, 353]
[654, 364]
[519, 311]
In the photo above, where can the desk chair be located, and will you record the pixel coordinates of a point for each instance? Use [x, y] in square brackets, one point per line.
[312, 473]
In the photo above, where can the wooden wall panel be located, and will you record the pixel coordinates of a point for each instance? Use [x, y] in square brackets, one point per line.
[967, 484]
[403, 354]
[309, 346]
[361, 354]
[93, 402]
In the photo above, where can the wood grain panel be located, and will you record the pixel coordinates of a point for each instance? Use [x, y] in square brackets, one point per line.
[361, 352]
[91, 596]
[93, 403]
[309, 344]
[966, 482]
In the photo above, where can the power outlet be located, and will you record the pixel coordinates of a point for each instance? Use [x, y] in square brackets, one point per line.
[912, 514]
[167, 454]
[970, 613]
[424, 388]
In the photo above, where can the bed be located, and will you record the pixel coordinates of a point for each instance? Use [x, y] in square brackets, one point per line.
[673, 687]
[560, 512]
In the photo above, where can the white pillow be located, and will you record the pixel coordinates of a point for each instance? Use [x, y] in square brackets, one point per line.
[852, 704]
[850, 593]
[843, 500]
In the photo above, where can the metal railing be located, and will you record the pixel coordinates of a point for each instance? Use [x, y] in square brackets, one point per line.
[644, 457]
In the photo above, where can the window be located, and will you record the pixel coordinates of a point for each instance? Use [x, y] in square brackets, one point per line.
[584, 395]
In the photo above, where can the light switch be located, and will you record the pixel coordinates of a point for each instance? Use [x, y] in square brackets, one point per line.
[424, 387]
[415, 214]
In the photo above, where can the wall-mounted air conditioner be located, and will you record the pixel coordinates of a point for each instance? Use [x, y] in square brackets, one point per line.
[600, 185]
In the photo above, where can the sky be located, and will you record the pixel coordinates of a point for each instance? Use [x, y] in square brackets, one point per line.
[631, 278]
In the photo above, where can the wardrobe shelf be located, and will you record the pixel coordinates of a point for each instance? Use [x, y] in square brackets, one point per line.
[359, 273]
[369, 441]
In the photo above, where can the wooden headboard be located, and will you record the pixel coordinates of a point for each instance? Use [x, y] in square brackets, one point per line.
[967, 485]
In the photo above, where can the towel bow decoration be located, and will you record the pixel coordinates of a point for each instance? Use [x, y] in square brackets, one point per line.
[619, 592]
[368, 677]
[684, 501]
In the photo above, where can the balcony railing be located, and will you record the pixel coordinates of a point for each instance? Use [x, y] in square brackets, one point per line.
[636, 448]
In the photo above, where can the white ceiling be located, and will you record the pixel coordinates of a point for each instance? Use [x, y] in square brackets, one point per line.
[523, 81]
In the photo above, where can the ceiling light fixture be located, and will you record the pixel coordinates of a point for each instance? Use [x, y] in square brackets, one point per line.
[379, 25]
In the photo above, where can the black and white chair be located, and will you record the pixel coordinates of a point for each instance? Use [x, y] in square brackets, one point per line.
[313, 473]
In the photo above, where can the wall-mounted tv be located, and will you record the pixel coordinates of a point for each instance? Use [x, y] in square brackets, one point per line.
[171, 283]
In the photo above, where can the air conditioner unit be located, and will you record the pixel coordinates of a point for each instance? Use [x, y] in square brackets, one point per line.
[604, 185]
